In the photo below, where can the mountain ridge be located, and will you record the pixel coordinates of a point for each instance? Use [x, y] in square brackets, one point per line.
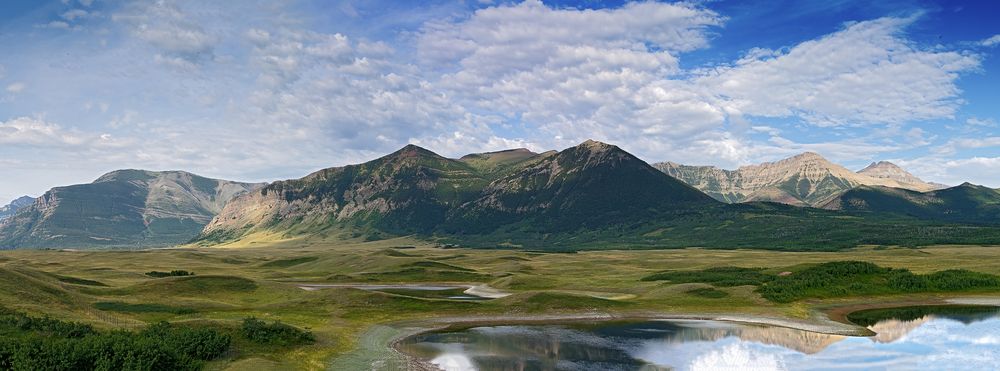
[121, 208]
[453, 195]
[806, 179]
[10, 209]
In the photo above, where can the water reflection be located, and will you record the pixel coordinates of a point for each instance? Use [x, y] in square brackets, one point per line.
[932, 341]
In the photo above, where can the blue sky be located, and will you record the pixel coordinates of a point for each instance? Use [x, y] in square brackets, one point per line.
[258, 90]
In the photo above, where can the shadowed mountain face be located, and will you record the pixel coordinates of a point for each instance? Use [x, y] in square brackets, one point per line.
[11, 209]
[807, 179]
[121, 208]
[417, 191]
[967, 203]
[587, 186]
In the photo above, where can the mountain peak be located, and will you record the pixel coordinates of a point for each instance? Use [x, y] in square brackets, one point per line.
[413, 150]
[594, 145]
[807, 156]
[881, 165]
[889, 171]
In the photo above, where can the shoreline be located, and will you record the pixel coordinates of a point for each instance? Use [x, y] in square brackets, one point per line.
[410, 328]
[824, 323]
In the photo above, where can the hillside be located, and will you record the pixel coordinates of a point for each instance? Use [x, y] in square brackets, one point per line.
[121, 208]
[807, 179]
[590, 196]
[966, 203]
[415, 191]
[592, 185]
[11, 208]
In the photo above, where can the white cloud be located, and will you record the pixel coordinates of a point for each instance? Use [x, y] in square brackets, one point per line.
[264, 93]
[74, 14]
[864, 74]
[992, 41]
[56, 25]
[181, 40]
[975, 121]
[982, 170]
[16, 87]
[36, 132]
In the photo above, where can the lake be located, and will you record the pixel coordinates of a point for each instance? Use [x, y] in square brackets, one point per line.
[926, 338]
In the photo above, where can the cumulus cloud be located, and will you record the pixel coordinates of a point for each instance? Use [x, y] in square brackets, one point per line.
[866, 73]
[992, 41]
[36, 132]
[570, 71]
[984, 170]
[180, 39]
[270, 95]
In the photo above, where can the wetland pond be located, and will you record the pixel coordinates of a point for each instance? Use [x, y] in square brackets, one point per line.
[934, 338]
[449, 292]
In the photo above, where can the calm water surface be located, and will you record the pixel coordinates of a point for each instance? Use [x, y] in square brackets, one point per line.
[938, 339]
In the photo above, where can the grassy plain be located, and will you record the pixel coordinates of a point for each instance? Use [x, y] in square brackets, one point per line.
[111, 289]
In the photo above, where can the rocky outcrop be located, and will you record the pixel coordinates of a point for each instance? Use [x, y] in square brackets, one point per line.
[415, 191]
[807, 179]
[11, 208]
[125, 208]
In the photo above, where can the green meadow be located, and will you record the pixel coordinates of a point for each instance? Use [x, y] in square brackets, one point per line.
[224, 286]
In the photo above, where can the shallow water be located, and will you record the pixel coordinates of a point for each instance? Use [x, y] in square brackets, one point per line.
[450, 292]
[938, 341]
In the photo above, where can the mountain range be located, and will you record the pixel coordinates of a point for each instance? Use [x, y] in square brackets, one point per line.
[415, 191]
[807, 179]
[11, 208]
[593, 195]
[123, 208]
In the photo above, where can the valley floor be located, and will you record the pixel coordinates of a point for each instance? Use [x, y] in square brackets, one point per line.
[353, 326]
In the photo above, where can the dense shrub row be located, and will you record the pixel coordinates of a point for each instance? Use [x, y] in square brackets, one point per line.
[275, 333]
[28, 343]
[835, 279]
[173, 273]
[718, 276]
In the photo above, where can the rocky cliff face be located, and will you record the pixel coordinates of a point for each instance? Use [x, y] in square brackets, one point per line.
[11, 208]
[807, 179]
[415, 191]
[121, 208]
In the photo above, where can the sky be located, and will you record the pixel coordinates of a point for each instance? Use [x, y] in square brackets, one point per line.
[257, 90]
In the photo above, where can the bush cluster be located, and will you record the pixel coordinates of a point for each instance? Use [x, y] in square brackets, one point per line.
[275, 333]
[28, 343]
[173, 273]
[835, 279]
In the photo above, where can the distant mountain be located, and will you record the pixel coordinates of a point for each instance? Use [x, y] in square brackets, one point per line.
[807, 179]
[13, 206]
[891, 171]
[966, 203]
[417, 191]
[121, 208]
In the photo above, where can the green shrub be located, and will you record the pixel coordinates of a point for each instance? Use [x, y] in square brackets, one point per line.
[706, 292]
[275, 333]
[717, 276]
[173, 273]
[30, 343]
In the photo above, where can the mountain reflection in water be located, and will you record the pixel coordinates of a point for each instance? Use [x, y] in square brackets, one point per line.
[929, 342]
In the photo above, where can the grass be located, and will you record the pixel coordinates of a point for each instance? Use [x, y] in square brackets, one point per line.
[233, 284]
[79, 281]
[285, 263]
[117, 306]
[706, 292]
